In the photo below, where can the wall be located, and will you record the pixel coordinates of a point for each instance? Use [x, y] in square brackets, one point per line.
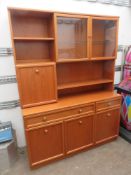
[9, 92]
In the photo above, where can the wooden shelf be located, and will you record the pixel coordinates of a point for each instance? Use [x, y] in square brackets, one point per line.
[72, 60]
[102, 58]
[35, 64]
[34, 38]
[29, 62]
[85, 83]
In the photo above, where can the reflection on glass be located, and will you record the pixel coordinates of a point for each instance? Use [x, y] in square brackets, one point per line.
[103, 38]
[72, 38]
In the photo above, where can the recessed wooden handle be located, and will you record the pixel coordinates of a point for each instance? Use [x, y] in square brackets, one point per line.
[109, 103]
[108, 114]
[80, 122]
[46, 131]
[44, 118]
[80, 110]
[37, 70]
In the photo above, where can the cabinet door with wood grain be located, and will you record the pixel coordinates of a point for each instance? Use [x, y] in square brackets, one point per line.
[78, 133]
[107, 125]
[37, 84]
[45, 143]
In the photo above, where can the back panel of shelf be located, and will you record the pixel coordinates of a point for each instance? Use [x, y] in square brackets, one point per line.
[32, 24]
[34, 50]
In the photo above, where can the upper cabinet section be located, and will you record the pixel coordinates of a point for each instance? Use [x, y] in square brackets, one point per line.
[72, 38]
[40, 36]
[104, 38]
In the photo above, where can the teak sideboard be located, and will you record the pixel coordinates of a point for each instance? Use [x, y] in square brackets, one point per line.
[65, 73]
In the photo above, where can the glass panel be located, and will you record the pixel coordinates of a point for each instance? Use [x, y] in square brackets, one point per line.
[103, 38]
[72, 38]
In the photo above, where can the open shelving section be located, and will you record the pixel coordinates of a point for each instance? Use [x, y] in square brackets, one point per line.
[67, 79]
[33, 36]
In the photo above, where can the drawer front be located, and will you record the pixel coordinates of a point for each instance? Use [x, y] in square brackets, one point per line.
[108, 104]
[38, 120]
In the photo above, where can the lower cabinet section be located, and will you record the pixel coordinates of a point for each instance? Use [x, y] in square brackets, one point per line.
[45, 143]
[107, 125]
[78, 133]
[70, 131]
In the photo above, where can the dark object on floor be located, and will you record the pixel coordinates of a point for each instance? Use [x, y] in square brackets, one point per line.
[124, 133]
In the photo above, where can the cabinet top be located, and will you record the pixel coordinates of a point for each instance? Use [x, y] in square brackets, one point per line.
[70, 101]
[59, 13]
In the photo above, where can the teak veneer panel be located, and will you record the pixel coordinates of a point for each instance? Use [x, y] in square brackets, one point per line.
[32, 90]
[46, 137]
[78, 133]
[107, 125]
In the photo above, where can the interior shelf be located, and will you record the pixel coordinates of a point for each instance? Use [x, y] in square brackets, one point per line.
[72, 60]
[102, 58]
[32, 61]
[85, 83]
[34, 38]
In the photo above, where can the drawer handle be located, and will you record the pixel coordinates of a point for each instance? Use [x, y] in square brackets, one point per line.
[44, 118]
[80, 122]
[37, 71]
[80, 110]
[109, 103]
[108, 115]
[46, 131]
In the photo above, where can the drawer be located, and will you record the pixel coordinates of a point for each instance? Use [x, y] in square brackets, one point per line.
[41, 119]
[106, 104]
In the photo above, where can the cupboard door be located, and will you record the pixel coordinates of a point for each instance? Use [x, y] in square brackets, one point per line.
[78, 133]
[104, 37]
[45, 143]
[74, 44]
[37, 85]
[107, 125]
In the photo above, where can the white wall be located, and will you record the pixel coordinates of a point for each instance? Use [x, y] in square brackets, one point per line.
[8, 92]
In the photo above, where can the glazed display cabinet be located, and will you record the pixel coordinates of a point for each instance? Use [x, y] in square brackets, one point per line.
[65, 74]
